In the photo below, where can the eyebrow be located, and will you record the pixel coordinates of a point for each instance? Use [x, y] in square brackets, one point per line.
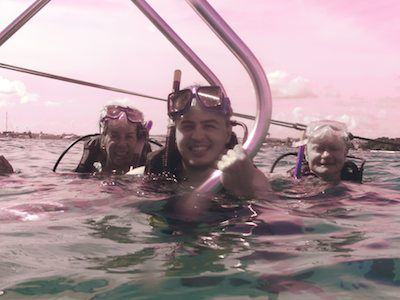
[213, 121]
[116, 131]
[209, 121]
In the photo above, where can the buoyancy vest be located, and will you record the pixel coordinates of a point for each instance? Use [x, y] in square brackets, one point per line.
[352, 172]
[91, 153]
[349, 172]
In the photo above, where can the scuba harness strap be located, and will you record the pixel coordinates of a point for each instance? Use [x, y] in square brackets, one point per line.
[91, 154]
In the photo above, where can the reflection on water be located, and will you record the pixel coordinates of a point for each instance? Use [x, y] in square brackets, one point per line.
[69, 236]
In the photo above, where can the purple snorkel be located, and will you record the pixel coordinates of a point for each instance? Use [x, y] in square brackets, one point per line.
[300, 155]
[299, 160]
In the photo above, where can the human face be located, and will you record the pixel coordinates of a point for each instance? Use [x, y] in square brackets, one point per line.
[201, 137]
[120, 143]
[326, 156]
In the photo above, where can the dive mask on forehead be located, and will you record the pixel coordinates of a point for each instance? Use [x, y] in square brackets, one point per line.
[337, 127]
[320, 128]
[210, 98]
[115, 111]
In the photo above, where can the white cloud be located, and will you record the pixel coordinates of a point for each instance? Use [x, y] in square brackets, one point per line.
[298, 113]
[284, 85]
[299, 116]
[11, 91]
[28, 98]
[9, 87]
[3, 102]
[350, 121]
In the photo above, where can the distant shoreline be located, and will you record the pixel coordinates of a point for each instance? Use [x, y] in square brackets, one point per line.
[388, 144]
[40, 135]
[71, 136]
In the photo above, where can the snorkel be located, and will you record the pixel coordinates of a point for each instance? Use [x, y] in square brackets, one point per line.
[299, 162]
[171, 152]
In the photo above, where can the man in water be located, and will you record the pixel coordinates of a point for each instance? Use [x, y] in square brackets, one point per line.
[122, 144]
[200, 141]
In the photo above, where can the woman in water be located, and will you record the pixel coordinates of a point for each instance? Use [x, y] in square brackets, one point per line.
[326, 145]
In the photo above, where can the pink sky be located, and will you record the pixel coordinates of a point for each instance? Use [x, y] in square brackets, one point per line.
[323, 59]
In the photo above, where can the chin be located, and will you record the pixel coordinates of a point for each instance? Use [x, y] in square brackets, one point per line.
[121, 163]
[328, 174]
[199, 164]
[323, 171]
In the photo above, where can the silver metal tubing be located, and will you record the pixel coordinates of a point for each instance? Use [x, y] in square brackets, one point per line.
[123, 91]
[257, 75]
[21, 20]
[76, 81]
[179, 44]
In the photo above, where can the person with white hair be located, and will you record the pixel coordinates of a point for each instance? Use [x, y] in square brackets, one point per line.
[327, 144]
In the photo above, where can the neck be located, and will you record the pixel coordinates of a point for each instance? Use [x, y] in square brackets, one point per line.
[108, 168]
[332, 178]
[195, 176]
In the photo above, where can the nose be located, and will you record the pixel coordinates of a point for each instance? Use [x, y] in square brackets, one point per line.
[326, 153]
[198, 133]
[121, 143]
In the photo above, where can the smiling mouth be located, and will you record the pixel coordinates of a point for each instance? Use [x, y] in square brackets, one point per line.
[198, 149]
[120, 155]
[327, 164]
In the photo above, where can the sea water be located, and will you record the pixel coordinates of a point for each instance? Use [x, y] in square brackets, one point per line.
[70, 236]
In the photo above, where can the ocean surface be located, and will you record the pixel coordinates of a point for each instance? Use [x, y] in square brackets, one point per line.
[69, 236]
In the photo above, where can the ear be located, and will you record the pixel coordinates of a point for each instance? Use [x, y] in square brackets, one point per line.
[228, 133]
[102, 142]
[306, 152]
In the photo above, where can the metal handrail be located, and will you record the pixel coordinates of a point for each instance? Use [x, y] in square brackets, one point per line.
[257, 75]
[179, 44]
[76, 81]
[14, 26]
